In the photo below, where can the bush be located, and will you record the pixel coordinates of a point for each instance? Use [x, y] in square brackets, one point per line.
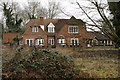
[46, 64]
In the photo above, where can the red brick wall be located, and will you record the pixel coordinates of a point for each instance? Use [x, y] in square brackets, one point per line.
[64, 31]
[32, 35]
[82, 33]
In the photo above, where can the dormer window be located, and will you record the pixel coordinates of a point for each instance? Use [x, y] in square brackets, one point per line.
[73, 29]
[35, 29]
[51, 28]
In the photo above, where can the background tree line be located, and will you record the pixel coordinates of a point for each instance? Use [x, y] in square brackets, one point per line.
[15, 18]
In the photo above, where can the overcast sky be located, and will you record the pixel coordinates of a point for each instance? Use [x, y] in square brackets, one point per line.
[68, 6]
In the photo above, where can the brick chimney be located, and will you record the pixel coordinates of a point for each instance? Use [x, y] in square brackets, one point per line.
[41, 17]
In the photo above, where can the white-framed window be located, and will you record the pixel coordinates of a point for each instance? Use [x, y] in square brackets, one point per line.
[73, 29]
[29, 42]
[35, 29]
[51, 41]
[39, 41]
[74, 41]
[61, 41]
[51, 28]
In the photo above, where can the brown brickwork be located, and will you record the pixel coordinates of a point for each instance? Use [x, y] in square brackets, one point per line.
[61, 29]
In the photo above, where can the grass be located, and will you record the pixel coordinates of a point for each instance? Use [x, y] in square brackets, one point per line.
[97, 65]
[96, 49]
[98, 68]
[93, 65]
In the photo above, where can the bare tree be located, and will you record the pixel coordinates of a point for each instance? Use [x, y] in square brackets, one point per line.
[108, 29]
[53, 10]
[34, 10]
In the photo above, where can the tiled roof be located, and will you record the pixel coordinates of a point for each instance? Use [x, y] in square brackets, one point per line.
[8, 37]
[98, 36]
[59, 23]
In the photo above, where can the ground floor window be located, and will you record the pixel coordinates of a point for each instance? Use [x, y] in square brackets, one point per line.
[74, 41]
[51, 41]
[29, 42]
[61, 41]
[20, 42]
[39, 41]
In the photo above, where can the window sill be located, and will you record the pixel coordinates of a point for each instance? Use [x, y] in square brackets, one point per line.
[34, 32]
[51, 32]
[73, 33]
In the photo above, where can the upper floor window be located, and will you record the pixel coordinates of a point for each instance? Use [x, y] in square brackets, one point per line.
[35, 29]
[73, 29]
[51, 28]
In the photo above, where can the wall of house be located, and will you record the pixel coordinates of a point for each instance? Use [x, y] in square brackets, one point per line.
[82, 34]
[33, 35]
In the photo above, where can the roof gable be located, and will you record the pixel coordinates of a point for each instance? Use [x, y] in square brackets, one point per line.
[51, 25]
[57, 23]
[98, 36]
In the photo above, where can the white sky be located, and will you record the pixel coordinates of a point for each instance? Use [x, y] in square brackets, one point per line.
[68, 7]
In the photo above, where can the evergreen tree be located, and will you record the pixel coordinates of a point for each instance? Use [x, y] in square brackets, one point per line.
[12, 21]
[115, 10]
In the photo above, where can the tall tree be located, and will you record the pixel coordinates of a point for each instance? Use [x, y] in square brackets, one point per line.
[53, 9]
[12, 21]
[34, 10]
[109, 30]
[115, 10]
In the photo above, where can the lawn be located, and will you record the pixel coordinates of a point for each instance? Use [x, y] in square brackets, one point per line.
[95, 65]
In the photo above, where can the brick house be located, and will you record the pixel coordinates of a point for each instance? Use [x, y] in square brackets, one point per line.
[55, 32]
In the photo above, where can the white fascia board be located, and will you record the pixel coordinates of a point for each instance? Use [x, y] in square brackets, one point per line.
[51, 25]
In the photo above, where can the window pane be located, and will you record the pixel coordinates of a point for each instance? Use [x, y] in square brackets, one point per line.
[27, 42]
[73, 29]
[51, 41]
[30, 42]
[51, 29]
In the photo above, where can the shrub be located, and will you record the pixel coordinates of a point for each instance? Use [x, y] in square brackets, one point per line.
[46, 64]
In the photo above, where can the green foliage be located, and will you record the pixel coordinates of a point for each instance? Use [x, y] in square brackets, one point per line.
[16, 39]
[45, 63]
[12, 21]
[115, 10]
[51, 65]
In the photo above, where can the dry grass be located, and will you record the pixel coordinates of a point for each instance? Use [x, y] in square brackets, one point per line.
[96, 65]
[97, 68]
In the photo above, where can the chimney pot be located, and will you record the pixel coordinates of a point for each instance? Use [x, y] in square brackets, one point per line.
[41, 17]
